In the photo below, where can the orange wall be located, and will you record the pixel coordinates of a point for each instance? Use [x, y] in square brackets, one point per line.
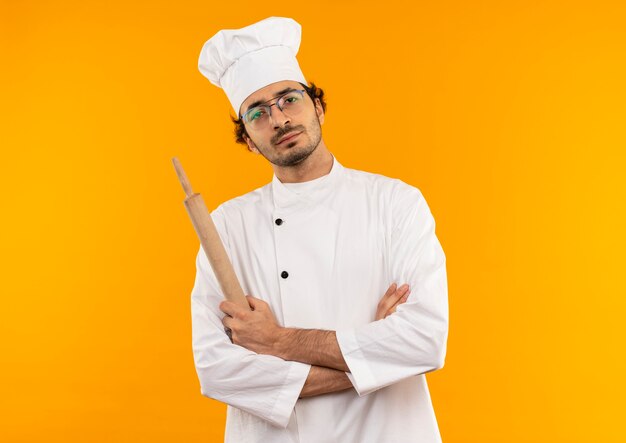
[509, 116]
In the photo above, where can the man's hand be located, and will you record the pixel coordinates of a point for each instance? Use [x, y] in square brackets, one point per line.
[256, 330]
[393, 298]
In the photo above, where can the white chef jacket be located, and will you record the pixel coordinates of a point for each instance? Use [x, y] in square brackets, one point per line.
[342, 239]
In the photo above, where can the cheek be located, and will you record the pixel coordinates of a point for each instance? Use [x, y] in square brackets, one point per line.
[314, 126]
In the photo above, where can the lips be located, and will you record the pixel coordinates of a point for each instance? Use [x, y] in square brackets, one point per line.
[288, 137]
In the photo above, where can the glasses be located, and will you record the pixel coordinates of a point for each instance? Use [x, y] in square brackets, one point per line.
[291, 104]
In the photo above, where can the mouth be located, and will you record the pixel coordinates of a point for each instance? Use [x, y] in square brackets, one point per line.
[289, 137]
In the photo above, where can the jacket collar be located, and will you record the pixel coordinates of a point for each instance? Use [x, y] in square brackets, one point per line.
[285, 199]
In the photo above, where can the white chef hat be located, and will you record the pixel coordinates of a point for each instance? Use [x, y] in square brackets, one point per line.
[242, 61]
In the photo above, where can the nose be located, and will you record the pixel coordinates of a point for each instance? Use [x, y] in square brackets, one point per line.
[278, 117]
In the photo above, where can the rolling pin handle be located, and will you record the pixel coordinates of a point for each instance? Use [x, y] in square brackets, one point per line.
[182, 177]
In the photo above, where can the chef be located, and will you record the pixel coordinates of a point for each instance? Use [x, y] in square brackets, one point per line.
[345, 275]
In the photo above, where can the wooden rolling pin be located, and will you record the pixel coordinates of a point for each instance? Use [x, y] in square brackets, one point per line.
[210, 241]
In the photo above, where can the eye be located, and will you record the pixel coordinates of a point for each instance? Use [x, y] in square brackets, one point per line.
[291, 98]
[255, 114]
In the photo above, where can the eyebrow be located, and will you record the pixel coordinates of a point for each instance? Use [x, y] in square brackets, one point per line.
[260, 102]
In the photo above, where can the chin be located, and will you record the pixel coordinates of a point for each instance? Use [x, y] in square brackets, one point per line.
[293, 157]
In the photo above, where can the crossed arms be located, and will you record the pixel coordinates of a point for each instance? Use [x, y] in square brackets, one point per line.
[258, 331]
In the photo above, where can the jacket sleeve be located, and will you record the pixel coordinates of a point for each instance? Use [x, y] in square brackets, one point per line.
[263, 385]
[413, 340]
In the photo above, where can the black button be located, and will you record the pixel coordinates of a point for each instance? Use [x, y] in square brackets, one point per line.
[284, 274]
[279, 221]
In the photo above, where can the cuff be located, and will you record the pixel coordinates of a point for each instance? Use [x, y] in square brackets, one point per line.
[289, 393]
[360, 374]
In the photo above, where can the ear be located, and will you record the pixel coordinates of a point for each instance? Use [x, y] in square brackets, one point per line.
[251, 146]
[319, 110]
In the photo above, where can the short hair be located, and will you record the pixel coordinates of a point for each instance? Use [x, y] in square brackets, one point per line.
[313, 92]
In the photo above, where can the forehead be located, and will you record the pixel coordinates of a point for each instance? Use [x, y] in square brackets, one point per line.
[268, 92]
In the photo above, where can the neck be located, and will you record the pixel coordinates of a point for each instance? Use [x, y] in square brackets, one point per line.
[316, 165]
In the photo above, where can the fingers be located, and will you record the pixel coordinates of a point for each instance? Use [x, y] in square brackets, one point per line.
[391, 298]
[388, 303]
[390, 291]
[232, 309]
[229, 308]
[402, 299]
[254, 302]
[398, 295]
[227, 322]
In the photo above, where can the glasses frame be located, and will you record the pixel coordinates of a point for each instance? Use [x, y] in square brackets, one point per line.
[276, 103]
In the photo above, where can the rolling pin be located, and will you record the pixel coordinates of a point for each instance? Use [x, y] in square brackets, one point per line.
[210, 241]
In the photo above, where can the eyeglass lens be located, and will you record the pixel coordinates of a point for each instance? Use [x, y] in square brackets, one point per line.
[290, 104]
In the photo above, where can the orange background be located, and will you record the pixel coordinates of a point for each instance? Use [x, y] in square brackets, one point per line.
[509, 116]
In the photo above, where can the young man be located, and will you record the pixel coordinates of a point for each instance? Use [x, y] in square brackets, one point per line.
[321, 357]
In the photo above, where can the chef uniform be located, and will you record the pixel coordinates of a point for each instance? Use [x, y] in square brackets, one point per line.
[321, 254]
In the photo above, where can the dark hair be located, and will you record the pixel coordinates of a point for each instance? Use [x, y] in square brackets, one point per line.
[313, 92]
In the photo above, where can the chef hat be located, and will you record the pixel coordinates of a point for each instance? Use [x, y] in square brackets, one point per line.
[242, 61]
